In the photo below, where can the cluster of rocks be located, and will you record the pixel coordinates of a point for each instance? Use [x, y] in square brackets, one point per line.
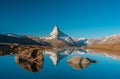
[9, 49]
[31, 58]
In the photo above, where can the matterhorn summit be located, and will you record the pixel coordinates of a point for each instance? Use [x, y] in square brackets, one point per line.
[62, 39]
[56, 33]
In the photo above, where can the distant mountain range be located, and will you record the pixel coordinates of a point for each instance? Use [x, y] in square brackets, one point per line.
[105, 40]
[60, 39]
[56, 39]
[18, 39]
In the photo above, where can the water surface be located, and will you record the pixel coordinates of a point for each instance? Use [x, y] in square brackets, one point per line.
[55, 66]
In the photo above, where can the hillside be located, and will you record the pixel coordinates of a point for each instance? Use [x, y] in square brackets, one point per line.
[104, 47]
[11, 39]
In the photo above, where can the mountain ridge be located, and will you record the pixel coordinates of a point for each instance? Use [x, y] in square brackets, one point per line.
[58, 35]
[105, 40]
[57, 39]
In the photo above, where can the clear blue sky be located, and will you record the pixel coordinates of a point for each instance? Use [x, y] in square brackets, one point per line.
[78, 18]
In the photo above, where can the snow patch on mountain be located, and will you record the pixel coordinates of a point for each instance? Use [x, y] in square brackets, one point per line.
[108, 39]
[15, 35]
[56, 34]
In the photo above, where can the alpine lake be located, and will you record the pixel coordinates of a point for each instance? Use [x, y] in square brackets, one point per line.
[53, 64]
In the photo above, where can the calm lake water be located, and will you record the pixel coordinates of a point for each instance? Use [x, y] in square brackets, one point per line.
[55, 66]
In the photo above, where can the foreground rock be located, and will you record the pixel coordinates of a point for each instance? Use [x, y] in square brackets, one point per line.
[10, 49]
[79, 63]
[31, 60]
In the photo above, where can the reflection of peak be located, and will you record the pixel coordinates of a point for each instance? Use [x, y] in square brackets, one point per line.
[109, 54]
[53, 56]
[79, 51]
[57, 55]
[57, 33]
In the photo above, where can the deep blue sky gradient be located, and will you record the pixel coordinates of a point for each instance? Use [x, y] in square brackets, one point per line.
[77, 18]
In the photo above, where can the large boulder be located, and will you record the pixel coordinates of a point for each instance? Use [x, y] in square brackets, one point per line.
[31, 60]
[78, 62]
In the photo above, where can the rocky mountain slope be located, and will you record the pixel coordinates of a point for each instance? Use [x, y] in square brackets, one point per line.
[56, 39]
[10, 39]
[60, 39]
[105, 40]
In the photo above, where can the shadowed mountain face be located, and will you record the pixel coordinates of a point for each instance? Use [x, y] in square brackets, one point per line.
[56, 39]
[59, 39]
[79, 63]
[25, 41]
[56, 33]
[30, 60]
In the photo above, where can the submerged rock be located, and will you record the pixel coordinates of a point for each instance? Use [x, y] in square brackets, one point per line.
[79, 63]
[31, 60]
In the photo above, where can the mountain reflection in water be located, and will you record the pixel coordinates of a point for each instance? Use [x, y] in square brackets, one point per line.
[33, 59]
[58, 54]
[32, 63]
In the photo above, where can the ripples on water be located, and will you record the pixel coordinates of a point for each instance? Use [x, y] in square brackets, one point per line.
[56, 64]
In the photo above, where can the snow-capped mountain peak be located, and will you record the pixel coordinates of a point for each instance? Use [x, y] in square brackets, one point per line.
[56, 33]
[104, 40]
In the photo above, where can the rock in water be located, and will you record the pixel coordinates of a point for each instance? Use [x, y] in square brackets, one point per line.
[78, 62]
[30, 60]
[74, 60]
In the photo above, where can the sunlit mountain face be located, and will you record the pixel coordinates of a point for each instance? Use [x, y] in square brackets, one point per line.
[60, 39]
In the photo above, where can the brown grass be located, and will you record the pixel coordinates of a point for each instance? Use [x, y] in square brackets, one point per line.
[107, 48]
[10, 48]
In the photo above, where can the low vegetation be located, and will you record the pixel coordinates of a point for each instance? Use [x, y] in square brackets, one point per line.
[108, 47]
[7, 49]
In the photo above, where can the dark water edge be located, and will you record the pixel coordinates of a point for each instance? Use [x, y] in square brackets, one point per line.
[105, 68]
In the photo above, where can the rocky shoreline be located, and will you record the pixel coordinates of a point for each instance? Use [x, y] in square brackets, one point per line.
[8, 49]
